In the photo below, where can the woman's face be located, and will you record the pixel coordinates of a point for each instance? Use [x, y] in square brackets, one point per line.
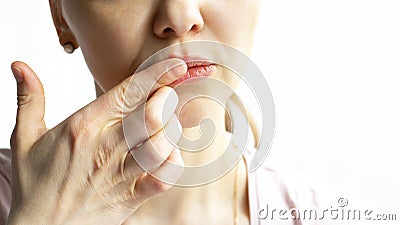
[116, 36]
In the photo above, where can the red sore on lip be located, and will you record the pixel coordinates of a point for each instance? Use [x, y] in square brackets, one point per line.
[195, 70]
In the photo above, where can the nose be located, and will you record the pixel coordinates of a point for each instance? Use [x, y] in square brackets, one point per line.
[178, 18]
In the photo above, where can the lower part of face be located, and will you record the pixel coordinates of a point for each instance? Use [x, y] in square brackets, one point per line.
[117, 36]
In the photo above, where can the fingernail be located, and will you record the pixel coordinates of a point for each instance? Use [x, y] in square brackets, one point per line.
[17, 74]
[179, 69]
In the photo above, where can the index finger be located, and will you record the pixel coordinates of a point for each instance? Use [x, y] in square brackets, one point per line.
[134, 90]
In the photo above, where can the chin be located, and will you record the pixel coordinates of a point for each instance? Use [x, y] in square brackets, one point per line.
[198, 109]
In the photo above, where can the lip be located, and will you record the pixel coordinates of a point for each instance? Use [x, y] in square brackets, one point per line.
[196, 68]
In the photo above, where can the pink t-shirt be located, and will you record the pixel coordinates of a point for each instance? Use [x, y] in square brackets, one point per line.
[5, 184]
[270, 189]
[275, 192]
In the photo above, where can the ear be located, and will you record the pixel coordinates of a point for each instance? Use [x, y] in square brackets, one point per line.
[64, 33]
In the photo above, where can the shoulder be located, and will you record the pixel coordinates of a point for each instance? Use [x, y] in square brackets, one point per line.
[5, 168]
[297, 188]
[5, 163]
[274, 188]
[5, 184]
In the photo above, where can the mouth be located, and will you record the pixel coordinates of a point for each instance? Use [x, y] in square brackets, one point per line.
[196, 68]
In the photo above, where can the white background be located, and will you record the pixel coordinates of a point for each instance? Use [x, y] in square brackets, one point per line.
[333, 68]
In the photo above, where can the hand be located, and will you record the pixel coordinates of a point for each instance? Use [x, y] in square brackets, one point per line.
[81, 171]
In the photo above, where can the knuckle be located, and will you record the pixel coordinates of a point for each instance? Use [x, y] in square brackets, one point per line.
[83, 124]
[146, 187]
[82, 135]
[23, 99]
[118, 97]
[134, 94]
[77, 129]
[77, 132]
[103, 156]
[127, 168]
[133, 194]
[160, 81]
[159, 187]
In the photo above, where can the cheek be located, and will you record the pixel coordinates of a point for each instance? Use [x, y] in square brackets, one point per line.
[234, 22]
[111, 37]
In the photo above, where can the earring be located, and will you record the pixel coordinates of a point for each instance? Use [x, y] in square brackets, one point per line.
[69, 47]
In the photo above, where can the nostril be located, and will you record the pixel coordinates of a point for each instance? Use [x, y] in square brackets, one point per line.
[196, 28]
[179, 31]
[168, 30]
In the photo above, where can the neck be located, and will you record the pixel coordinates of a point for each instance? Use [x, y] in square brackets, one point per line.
[219, 202]
[213, 203]
[181, 205]
[214, 148]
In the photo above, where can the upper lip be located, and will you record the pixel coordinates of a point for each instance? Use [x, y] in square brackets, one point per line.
[194, 61]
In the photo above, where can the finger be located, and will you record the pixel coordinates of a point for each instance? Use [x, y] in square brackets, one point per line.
[150, 185]
[136, 131]
[30, 123]
[150, 118]
[153, 152]
[171, 170]
[138, 189]
[134, 91]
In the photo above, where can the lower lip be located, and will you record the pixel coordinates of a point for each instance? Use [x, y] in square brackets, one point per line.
[195, 72]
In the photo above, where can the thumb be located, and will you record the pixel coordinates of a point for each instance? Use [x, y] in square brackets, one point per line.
[31, 107]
